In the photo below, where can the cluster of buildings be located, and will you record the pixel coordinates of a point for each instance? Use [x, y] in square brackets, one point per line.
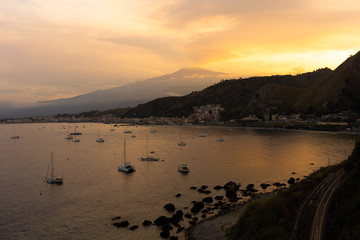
[203, 114]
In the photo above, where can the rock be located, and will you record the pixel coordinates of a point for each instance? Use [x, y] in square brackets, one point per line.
[297, 179]
[162, 220]
[250, 186]
[195, 219]
[231, 189]
[193, 188]
[178, 195]
[180, 229]
[207, 192]
[218, 187]
[293, 172]
[167, 227]
[219, 198]
[231, 185]
[170, 207]
[122, 224]
[192, 222]
[188, 215]
[311, 163]
[165, 234]
[203, 216]
[174, 238]
[115, 218]
[134, 227]
[204, 187]
[291, 180]
[197, 207]
[208, 200]
[264, 185]
[200, 190]
[146, 223]
[178, 215]
[277, 184]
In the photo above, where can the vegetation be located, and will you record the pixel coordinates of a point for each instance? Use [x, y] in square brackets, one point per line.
[344, 214]
[275, 217]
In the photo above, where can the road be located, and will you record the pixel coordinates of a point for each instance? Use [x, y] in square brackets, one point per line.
[319, 198]
[318, 222]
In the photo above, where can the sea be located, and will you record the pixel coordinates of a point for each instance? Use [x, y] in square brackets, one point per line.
[94, 192]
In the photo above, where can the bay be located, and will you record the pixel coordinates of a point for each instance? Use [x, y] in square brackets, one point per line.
[94, 191]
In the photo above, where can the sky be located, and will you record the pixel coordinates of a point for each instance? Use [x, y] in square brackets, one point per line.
[63, 48]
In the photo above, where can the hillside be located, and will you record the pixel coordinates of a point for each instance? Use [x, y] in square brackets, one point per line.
[256, 95]
[318, 92]
[340, 90]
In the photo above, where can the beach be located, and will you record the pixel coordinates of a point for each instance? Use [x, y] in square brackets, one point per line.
[215, 228]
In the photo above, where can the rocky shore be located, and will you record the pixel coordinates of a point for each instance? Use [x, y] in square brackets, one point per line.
[215, 228]
[208, 218]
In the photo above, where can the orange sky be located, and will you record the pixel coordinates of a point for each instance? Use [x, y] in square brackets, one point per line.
[54, 49]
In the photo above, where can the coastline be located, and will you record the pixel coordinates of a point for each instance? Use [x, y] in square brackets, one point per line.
[215, 228]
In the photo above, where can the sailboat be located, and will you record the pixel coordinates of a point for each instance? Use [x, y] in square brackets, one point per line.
[14, 136]
[181, 143]
[182, 167]
[76, 139]
[219, 139]
[68, 137]
[126, 167]
[148, 157]
[52, 179]
[99, 139]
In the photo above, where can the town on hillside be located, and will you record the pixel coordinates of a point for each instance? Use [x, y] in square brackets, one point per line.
[211, 115]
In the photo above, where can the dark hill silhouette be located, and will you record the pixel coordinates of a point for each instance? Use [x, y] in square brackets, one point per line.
[318, 92]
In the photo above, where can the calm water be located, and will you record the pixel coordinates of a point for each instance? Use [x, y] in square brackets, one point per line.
[94, 191]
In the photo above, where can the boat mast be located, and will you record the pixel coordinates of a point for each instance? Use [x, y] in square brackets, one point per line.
[124, 157]
[52, 165]
[146, 147]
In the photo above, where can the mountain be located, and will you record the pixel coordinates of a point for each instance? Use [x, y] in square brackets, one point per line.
[179, 83]
[318, 92]
[239, 97]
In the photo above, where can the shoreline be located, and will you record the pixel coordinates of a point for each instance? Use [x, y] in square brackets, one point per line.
[215, 228]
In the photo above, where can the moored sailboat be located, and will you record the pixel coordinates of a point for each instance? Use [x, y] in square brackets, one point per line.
[126, 167]
[51, 179]
[148, 157]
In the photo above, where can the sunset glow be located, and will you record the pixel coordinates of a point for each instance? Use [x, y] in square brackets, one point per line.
[58, 49]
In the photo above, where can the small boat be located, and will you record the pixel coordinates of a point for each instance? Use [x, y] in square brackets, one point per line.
[69, 137]
[76, 139]
[183, 168]
[219, 139]
[181, 143]
[127, 131]
[52, 179]
[153, 131]
[148, 157]
[126, 167]
[202, 135]
[14, 136]
[99, 139]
